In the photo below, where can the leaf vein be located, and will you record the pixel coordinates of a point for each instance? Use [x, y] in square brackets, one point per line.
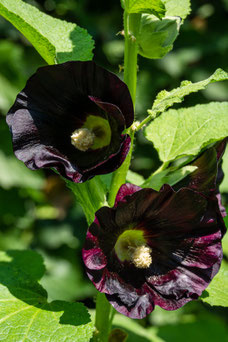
[15, 312]
[193, 133]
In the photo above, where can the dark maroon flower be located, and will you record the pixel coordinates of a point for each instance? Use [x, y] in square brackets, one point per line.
[208, 176]
[70, 117]
[157, 248]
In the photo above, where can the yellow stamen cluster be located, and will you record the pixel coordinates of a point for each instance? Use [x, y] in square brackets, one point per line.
[141, 256]
[82, 139]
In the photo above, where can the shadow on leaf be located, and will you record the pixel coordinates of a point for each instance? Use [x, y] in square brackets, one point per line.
[20, 272]
[81, 49]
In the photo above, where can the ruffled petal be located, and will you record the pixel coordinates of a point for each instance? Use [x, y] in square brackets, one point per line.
[55, 102]
[183, 230]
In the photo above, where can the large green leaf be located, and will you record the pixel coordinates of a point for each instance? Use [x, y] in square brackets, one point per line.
[177, 8]
[156, 36]
[155, 7]
[26, 315]
[166, 99]
[186, 131]
[55, 40]
[217, 291]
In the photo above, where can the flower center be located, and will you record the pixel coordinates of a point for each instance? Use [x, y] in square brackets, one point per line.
[82, 139]
[94, 134]
[131, 246]
[141, 256]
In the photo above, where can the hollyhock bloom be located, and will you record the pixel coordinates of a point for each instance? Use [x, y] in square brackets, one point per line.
[70, 117]
[157, 247]
[209, 174]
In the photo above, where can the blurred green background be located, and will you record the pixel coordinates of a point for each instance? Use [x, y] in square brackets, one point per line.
[37, 210]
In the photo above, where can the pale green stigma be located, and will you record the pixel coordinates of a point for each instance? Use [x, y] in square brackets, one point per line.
[131, 246]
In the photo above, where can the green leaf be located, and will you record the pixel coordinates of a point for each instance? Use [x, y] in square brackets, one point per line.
[25, 314]
[155, 7]
[168, 176]
[217, 291]
[166, 99]
[15, 173]
[156, 36]
[186, 131]
[91, 195]
[55, 40]
[178, 8]
[134, 178]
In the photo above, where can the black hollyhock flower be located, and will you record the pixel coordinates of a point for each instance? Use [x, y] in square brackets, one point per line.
[209, 174]
[157, 248]
[70, 117]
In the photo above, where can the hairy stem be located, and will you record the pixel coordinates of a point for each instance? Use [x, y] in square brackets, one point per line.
[104, 311]
[131, 29]
[145, 121]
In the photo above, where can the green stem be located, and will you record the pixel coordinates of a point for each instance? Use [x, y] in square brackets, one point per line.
[104, 312]
[131, 29]
[160, 169]
[104, 317]
[145, 121]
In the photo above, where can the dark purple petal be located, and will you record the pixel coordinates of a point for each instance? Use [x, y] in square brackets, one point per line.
[203, 179]
[112, 163]
[126, 190]
[56, 101]
[208, 175]
[221, 206]
[220, 148]
[183, 230]
[131, 302]
[113, 110]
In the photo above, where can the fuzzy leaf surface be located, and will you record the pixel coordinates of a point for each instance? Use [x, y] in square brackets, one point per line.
[155, 7]
[55, 40]
[217, 292]
[156, 37]
[186, 131]
[166, 99]
[178, 8]
[25, 313]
